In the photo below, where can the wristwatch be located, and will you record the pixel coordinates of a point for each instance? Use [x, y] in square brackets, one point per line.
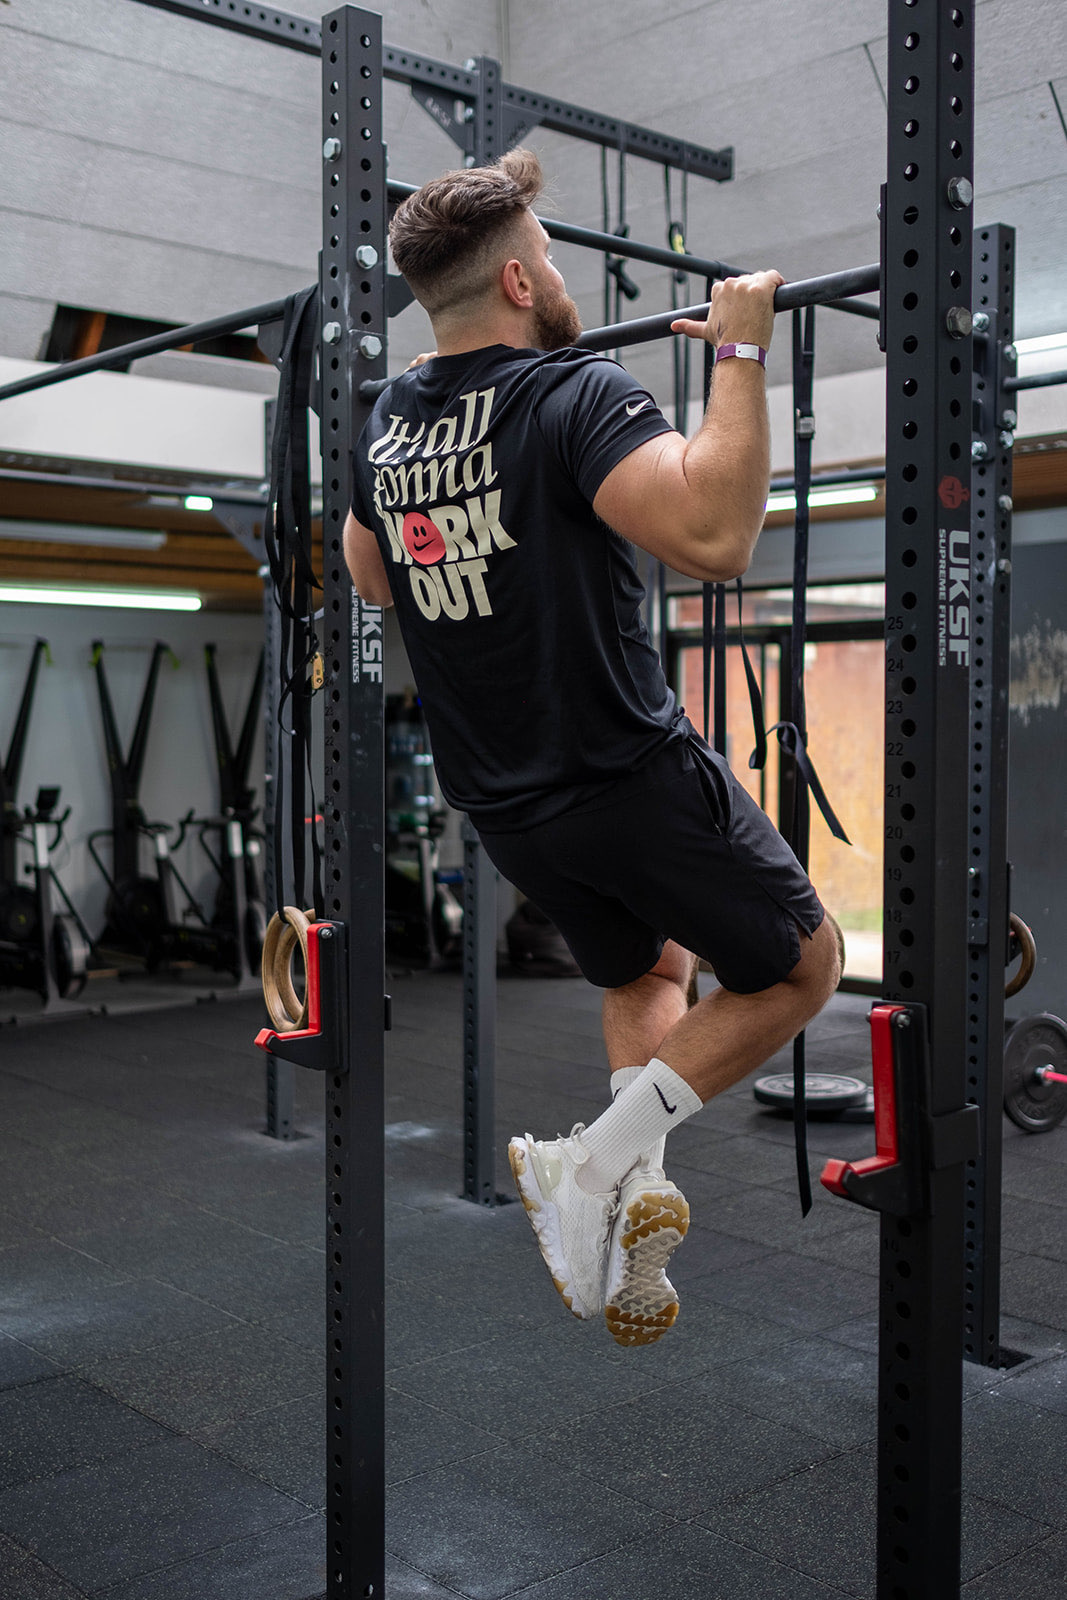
[748, 352]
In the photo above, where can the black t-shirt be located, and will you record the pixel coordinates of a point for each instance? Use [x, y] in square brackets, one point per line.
[519, 608]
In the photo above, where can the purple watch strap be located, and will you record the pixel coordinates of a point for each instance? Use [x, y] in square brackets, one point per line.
[751, 352]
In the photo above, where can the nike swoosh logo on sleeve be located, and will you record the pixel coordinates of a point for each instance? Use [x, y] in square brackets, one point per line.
[632, 410]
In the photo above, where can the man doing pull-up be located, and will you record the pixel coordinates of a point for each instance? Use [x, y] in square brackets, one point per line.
[499, 488]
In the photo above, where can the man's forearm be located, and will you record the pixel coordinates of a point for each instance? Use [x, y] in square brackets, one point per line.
[728, 460]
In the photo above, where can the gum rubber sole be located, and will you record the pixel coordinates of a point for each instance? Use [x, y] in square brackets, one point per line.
[642, 1302]
[519, 1171]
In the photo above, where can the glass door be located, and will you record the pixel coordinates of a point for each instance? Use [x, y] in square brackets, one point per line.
[844, 685]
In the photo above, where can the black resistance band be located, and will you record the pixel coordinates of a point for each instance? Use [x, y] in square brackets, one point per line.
[287, 540]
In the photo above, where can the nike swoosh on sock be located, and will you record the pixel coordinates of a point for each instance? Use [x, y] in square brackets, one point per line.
[670, 1110]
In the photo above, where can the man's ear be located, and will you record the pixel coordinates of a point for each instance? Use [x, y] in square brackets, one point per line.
[516, 284]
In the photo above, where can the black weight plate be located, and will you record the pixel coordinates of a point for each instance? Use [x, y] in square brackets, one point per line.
[864, 1112]
[824, 1092]
[1038, 1041]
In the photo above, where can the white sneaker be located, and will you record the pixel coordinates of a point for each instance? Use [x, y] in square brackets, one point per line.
[571, 1226]
[640, 1301]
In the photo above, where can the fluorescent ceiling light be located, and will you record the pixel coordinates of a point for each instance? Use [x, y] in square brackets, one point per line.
[1047, 341]
[199, 502]
[128, 599]
[825, 497]
[67, 533]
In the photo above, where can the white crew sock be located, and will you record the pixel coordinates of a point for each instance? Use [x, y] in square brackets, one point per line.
[655, 1100]
[620, 1080]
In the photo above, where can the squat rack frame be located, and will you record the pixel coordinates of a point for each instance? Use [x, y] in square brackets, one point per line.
[925, 307]
[932, 656]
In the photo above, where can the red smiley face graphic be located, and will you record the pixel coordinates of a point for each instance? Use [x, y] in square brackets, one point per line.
[422, 539]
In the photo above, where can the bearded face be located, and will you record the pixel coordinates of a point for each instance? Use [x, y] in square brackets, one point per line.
[556, 320]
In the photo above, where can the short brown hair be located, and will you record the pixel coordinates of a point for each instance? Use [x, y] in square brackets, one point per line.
[446, 236]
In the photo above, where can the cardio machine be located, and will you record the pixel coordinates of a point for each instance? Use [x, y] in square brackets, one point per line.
[157, 919]
[41, 949]
[423, 914]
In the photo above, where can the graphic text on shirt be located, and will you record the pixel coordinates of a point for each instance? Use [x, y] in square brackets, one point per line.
[438, 527]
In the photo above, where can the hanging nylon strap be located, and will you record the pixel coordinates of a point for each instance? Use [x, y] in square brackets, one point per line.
[758, 758]
[287, 541]
[713, 630]
[803, 434]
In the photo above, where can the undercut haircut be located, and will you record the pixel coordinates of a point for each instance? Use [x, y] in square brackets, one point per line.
[451, 236]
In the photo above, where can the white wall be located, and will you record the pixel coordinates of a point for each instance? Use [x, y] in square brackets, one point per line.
[65, 745]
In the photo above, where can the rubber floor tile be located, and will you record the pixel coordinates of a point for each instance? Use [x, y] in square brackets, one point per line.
[23, 1577]
[421, 1326]
[712, 1333]
[822, 1523]
[1042, 1384]
[213, 1378]
[15, 1226]
[1013, 1453]
[284, 1563]
[117, 1319]
[239, 1271]
[856, 1250]
[687, 1563]
[1035, 1289]
[46, 1428]
[823, 1388]
[282, 1445]
[128, 1516]
[301, 1322]
[809, 1296]
[404, 1583]
[502, 1521]
[766, 1214]
[1035, 1227]
[695, 1451]
[420, 1437]
[1028, 1176]
[46, 1274]
[20, 1364]
[72, 1209]
[1037, 1573]
[542, 1370]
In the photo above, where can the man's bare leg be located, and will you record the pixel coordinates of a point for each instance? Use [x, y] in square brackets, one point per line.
[724, 1036]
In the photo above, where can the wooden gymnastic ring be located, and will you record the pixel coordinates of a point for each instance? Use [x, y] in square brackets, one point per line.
[1028, 946]
[286, 1010]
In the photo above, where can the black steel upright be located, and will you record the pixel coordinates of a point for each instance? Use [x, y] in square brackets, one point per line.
[929, 642]
[480, 877]
[353, 347]
[993, 421]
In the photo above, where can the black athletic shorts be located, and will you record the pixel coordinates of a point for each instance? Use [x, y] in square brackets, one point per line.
[677, 850]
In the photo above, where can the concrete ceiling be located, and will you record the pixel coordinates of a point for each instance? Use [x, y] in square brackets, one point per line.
[799, 90]
[163, 168]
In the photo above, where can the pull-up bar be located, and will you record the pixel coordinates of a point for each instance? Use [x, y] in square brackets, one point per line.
[153, 344]
[788, 297]
[805, 292]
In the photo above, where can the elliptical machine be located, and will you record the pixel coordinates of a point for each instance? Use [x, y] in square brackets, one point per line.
[158, 919]
[41, 949]
[423, 914]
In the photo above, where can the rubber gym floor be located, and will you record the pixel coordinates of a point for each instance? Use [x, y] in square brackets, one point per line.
[161, 1266]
